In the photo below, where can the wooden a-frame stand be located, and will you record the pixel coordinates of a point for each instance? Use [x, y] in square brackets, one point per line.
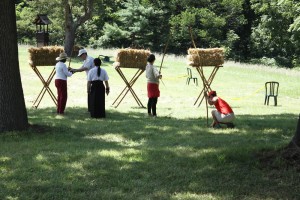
[46, 86]
[128, 87]
[206, 82]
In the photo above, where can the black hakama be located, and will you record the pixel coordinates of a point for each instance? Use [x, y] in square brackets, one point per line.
[97, 99]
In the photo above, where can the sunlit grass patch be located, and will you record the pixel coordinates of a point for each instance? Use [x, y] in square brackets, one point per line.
[128, 155]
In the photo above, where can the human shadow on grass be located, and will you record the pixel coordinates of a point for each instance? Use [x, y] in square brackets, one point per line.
[130, 156]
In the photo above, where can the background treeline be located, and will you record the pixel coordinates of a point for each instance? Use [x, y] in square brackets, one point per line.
[256, 31]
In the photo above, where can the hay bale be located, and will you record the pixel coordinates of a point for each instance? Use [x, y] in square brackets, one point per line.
[205, 57]
[132, 58]
[44, 56]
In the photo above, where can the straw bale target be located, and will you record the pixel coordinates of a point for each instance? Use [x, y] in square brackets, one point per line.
[205, 57]
[132, 58]
[44, 56]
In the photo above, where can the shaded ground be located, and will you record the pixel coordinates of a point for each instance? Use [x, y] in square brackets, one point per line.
[284, 158]
[40, 129]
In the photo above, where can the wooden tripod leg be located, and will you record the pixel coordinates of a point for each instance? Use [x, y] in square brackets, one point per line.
[205, 90]
[45, 88]
[122, 76]
[125, 90]
[212, 76]
[128, 87]
[202, 77]
[198, 97]
[134, 79]
[53, 97]
[39, 98]
[42, 92]
[200, 71]
[207, 82]
[131, 83]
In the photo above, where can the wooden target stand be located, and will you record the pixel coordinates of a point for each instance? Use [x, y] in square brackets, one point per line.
[46, 86]
[40, 57]
[206, 81]
[135, 59]
[128, 87]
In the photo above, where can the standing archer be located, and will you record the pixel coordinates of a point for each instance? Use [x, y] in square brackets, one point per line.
[153, 76]
[97, 78]
[61, 76]
[88, 64]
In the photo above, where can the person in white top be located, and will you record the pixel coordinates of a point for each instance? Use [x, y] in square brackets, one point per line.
[153, 76]
[61, 82]
[88, 64]
[96, 77]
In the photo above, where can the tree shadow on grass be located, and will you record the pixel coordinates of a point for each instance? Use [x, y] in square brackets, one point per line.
[130, 156]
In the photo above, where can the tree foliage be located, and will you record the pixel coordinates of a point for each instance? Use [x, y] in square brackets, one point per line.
[248, 29]
[272, 36]
[206, 28]
[136, 25]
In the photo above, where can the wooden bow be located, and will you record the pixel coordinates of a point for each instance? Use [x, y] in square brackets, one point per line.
[165, 50]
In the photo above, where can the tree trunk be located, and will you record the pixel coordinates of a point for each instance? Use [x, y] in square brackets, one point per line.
[292, 151]
[71, 25]
[69, 41]
[296, 138]
[13, 114]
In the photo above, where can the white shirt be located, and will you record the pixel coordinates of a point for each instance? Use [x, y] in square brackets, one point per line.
[61, 71]
[152, 74]
[92, 75]
[88, 63]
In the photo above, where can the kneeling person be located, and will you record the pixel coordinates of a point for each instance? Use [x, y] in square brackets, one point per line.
[223, 113]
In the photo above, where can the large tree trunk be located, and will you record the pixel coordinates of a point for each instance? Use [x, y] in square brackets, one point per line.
[69, 42]
[13, 114]
[296, 138]
[70, 29]
[71, 25]
[292, 151]
[69, 38]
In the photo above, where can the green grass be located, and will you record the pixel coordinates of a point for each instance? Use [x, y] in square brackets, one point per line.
[175, 156]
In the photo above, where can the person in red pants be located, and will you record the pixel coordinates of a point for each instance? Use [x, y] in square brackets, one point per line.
[61, 82]
[223, 114]
[153, 76]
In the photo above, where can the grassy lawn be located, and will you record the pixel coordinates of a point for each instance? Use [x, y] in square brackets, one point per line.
[175, 156]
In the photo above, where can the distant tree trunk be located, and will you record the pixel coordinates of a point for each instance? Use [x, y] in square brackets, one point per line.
[70, 30]
[13, 114]
[71, 25]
